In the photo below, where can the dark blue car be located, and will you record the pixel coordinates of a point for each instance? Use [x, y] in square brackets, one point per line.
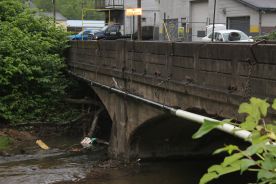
[109, 32]
[82, 35]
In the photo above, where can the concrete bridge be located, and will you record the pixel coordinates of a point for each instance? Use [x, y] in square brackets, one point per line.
[209, 79]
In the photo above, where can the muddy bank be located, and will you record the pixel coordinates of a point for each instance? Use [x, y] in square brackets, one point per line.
[18, 141]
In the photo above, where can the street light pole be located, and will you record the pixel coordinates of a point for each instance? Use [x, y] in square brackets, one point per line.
[214, 17]
[139, 26]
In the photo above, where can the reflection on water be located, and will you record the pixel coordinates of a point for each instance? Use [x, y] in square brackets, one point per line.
[59, 166]
[181, 172]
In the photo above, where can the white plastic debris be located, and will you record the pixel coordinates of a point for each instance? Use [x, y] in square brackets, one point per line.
[86, 142]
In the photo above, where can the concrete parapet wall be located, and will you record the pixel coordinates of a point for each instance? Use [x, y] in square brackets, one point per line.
[223, 68]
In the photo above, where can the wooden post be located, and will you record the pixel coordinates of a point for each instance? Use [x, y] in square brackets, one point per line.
[94, 123]
[54, 10]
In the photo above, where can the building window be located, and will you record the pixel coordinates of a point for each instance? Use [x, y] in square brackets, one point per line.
[144, 19]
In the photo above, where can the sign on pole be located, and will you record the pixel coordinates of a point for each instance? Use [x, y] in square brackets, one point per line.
[133, 11]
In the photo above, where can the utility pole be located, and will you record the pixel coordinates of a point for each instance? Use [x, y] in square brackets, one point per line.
[214, 19]
[54, 10]
[139, 27]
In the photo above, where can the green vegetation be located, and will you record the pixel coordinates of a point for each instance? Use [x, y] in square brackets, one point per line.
[71, 9]
[271, 36]
[4, 142]
[32, 80]
[259, 157]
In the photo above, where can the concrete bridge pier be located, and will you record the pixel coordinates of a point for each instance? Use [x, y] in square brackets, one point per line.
[126, 116]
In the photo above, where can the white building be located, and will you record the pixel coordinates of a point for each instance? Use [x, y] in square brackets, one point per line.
[251, 16]
[150, 17]
[115, 13]
[187, 19]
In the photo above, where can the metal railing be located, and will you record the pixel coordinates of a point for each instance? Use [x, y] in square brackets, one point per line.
[109, 4]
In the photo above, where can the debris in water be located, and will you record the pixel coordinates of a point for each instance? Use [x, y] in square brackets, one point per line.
[87, 142]
[41, 144]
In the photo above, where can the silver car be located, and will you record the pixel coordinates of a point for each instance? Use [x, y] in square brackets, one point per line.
[228, 35]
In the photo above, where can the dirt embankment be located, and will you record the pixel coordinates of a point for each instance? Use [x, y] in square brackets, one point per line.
[18, 140]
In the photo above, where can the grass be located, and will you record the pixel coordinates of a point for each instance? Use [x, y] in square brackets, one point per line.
[4, 142]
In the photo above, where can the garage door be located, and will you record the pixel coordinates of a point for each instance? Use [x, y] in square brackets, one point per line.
[199, 18]
[239, 23]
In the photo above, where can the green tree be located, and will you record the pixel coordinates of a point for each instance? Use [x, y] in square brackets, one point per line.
[71, 9]
[32, 81]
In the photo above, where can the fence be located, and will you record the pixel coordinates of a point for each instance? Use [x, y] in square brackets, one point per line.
[173, 30]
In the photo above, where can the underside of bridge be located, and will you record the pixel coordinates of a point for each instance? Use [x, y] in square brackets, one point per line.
[135, 131]
[103, 122]
[170, 137]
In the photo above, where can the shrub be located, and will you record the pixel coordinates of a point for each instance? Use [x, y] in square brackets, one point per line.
[259, 157]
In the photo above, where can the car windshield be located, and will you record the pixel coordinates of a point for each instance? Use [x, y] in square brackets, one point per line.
[104, 28]
[85, 32]
[243, 36]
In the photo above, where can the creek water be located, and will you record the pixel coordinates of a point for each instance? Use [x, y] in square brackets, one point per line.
[60, 166]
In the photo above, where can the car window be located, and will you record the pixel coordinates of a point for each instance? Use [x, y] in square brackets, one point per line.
[104, 28]
[210, 36]
[219, 37]
[112, 29]
[86, 32]
[232, 36]
[244, 36]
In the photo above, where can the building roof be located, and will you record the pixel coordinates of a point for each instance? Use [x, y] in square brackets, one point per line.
[265, 5]
[96, 24]
[59, 16]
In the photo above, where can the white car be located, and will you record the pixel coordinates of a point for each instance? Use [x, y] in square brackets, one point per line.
[228, 35]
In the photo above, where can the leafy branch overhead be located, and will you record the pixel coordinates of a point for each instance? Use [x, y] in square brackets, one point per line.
[259, 157]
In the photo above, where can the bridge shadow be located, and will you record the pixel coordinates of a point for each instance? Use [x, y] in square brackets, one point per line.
[169, 137]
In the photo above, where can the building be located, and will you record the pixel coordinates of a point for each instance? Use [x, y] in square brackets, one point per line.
[60, 19]
[187, 19]
[190, 17]
[150, 15]
[115, 13]
[76, 26]
[114, 10]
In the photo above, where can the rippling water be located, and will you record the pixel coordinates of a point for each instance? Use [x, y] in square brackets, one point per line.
[47, 166]
[57, 165]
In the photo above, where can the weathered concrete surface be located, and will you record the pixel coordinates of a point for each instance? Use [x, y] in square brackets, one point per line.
[212, 77]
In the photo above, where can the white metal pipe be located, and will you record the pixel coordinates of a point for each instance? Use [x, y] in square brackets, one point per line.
[226, 127]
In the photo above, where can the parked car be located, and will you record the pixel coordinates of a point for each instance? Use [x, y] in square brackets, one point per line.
[83, 35]
[108, 32]
[228, 35]
[218, 27]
